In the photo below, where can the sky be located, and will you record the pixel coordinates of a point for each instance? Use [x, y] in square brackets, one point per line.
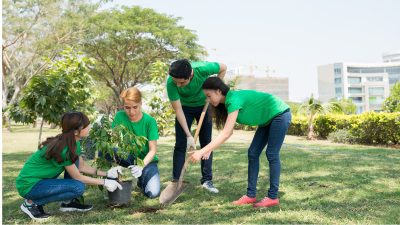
[290, 37]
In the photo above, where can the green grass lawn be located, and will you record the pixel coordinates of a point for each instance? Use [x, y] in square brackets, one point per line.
[321, 182]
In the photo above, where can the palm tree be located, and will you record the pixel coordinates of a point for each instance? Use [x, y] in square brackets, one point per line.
[312, 107]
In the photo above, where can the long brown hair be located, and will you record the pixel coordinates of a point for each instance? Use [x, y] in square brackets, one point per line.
[220, 112]
[71, 122]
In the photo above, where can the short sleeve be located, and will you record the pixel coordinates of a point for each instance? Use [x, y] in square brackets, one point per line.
[153, 130]
[172, 90]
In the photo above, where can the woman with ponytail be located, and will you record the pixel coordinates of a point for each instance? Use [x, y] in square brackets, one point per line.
[249, 107]
[37, 182]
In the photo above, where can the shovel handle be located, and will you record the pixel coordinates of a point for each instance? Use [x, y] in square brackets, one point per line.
[196, 135]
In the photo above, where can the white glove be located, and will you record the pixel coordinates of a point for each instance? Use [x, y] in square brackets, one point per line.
[190, 143]
[136, 170]
[112, 185]
[113, 172]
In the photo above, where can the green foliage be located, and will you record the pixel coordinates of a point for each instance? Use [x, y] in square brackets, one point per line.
[298, 126]
[161, 108]
[103, 138]
[127, 41]
[377, 128]
[341, 136]
[63, 87]
[392, 103]
[366, 128]
[346, 105]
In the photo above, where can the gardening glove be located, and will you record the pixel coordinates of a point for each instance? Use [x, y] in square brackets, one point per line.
[136, 170]
[190, 143]
[112, 185]
[113, 172]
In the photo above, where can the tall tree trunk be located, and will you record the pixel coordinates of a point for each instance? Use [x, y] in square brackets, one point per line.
[40, 132]
[310, 135]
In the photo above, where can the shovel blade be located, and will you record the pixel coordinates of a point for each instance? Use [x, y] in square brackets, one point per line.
[172, 192]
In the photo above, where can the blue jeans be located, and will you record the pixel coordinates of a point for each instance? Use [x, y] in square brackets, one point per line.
[149, 182]
[54, 190]
[273, 134]
[192, 113]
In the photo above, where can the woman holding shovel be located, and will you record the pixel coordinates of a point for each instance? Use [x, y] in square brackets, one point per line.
[141, 124]
[187, 99]
[269, 113]
[37, 182]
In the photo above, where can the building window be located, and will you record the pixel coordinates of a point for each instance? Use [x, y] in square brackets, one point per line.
[338, 80]
[356, 99]
[393, 70]
[353, 70]
[376, 90]
[353, 90]
[376, 100]
[372, 70]
[375, 79]
[337, 71]
[354, 80]
[338, 91]
[360, 109]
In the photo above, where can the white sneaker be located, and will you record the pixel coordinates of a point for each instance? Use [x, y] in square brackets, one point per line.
[209, 186]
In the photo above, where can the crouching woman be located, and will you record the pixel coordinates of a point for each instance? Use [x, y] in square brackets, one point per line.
[37, 182]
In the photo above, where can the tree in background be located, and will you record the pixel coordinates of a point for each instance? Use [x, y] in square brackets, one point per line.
[313, 107]
[161, 108]
[347, 105]
[33, 30]
[63, 86]
[127, 41]
[392, 103]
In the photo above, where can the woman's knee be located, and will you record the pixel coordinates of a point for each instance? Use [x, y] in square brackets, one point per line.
[78, 187]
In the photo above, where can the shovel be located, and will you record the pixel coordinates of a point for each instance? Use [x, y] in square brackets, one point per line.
[174, 189]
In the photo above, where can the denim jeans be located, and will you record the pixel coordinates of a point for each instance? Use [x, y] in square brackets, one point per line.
[192, 113]
[149, 182]
[54, 190]
[273, 134]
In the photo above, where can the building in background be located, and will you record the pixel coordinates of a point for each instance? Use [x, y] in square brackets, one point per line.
[366, 84]
[255, 78]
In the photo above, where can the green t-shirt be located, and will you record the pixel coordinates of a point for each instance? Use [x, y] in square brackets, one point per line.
[255, 108]
[192, 94]
[147, 127]
[38, 168]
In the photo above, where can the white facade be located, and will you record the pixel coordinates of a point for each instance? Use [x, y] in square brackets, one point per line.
[366, 84]
[393, 56]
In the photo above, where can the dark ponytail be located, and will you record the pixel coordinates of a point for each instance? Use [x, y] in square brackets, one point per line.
[71, 122]
[220, 112]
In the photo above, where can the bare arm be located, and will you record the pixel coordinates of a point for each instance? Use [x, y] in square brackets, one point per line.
[222, 71]
[85, 168]
[176, 105]
[152, 152]
[75, 174]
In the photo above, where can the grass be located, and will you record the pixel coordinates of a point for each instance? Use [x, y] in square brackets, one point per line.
[321, 183]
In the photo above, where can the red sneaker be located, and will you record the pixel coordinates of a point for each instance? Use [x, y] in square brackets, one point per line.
[244, 200]
[267, 202]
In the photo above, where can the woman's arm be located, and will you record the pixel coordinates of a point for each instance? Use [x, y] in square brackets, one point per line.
[85, 168]
[222, 71]
[219, 140]
[75, 174]
[152, 152]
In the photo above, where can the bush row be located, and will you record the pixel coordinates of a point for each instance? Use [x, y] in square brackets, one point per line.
[366, 128]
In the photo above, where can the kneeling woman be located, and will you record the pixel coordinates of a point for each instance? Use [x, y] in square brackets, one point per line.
[141, 124]
[249, 107]
[37, 182]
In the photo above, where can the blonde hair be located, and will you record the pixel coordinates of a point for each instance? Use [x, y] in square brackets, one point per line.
[131, 94]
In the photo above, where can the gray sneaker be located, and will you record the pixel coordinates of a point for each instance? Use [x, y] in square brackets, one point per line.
[209, 186]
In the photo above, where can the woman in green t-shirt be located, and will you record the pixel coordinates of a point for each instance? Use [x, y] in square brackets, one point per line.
[269, 113]
[141, 124]
[37, 182]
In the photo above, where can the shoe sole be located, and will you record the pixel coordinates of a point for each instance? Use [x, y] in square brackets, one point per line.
[212, 191]
[74, 210]
[25, 210]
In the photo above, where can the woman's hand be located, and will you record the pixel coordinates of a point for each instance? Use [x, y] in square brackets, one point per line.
[195, 156]
[206, 156]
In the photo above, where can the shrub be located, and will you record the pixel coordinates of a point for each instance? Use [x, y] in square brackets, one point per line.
[341, 136]
[328, 123]
[298, 126]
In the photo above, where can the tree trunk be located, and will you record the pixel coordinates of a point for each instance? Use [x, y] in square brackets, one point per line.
[311, 135]
[40, 131]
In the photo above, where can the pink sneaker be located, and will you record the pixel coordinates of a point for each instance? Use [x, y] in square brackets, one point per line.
[267, 202]
[244, 200]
